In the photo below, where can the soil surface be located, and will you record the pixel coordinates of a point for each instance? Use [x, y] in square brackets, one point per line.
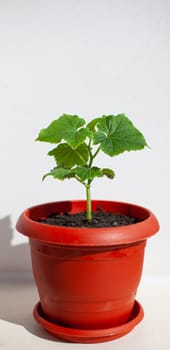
[99, 219]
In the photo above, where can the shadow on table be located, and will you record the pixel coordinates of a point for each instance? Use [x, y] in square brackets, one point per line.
[18, 293]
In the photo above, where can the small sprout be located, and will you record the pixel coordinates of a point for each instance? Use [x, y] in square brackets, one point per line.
[77, 144]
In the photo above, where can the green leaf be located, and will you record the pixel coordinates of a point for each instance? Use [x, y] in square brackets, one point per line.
[50, 134]
[91, 125]
[65, 154]
[85, 173]
[108, 172]
[59, 173]
[68, 128]
[117, 134]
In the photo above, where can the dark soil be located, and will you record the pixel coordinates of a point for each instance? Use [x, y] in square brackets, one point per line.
[99, 219]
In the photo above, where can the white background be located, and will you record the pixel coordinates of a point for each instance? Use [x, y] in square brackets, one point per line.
[89, 58]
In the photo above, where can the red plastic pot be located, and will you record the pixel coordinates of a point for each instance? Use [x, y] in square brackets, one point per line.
[87, 278]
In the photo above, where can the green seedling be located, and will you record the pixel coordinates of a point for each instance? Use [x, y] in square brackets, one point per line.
[78, 143]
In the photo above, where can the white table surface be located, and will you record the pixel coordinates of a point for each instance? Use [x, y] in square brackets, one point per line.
[19, 331]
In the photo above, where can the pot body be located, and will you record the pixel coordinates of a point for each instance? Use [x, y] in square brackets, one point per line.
[87, 278]
[87, 288]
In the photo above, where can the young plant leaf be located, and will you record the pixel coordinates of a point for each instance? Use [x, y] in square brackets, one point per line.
[59, 173]
[108, 172]
[68, 128]
[91, 125]
[51, 134]
[85, 173]
[65, 154]
[117, 134]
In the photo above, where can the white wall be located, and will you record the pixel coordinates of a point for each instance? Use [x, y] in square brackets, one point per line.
[89, 58]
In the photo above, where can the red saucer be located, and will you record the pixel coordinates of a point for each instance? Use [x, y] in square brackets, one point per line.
[89, 335]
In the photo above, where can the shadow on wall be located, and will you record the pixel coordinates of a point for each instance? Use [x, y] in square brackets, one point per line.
[18, 294]
[12, 258]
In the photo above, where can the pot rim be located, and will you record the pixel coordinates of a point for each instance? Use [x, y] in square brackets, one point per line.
[86, 236]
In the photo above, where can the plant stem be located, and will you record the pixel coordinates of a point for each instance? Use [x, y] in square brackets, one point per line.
[93, 156]
[88, 194]
[88, 201]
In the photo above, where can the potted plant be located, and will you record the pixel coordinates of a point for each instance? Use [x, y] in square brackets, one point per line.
[87, 255]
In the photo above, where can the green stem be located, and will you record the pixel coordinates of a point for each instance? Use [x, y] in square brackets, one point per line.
[97, 151]
[88, 194]
[93, 156]
[88, 201]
